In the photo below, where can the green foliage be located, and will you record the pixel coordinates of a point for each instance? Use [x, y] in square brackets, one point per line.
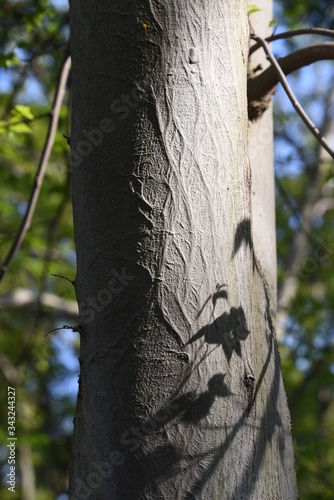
[251, 9]
[19, 121]
[312, 13]
[8, 60]
[34, 367]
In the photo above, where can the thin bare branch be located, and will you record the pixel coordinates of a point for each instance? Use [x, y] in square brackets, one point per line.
[55, 111]
[63, 277]
[292, 33]
[75, 328]
[281, 77]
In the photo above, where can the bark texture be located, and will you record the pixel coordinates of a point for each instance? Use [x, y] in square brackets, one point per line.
[180, 393]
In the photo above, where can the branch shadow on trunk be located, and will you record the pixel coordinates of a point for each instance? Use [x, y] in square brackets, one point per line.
[228, 331]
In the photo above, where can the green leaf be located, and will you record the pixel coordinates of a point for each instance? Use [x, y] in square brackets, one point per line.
[272, 23]
[21, 128]
[252, 8]
[24, 111]
[7, 60]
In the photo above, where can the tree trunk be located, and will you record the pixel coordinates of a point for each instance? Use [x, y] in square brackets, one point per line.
[180, 393]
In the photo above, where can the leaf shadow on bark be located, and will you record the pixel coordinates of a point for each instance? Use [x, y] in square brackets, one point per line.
[228, 331]
[156, 459]
[264, 435]
[191, 407]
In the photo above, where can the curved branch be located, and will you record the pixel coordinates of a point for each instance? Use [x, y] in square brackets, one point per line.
[292, 33]
[55, 111]
[280, 76]
[259, 86]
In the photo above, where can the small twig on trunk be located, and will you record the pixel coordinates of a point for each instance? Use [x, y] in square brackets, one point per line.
[64, 278]
[55, 111]
[75, 328]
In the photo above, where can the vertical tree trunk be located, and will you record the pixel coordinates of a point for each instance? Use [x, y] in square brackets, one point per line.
[180, 392]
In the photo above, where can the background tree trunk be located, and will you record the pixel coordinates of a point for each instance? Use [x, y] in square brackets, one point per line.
[180, 392]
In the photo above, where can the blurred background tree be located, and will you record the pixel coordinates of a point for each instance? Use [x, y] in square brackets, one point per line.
[305, 248]
[33, 41]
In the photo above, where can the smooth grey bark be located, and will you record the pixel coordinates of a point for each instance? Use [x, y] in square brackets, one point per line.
[180, 392]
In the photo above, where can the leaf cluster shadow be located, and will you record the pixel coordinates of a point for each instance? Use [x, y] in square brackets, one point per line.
[228, 331]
